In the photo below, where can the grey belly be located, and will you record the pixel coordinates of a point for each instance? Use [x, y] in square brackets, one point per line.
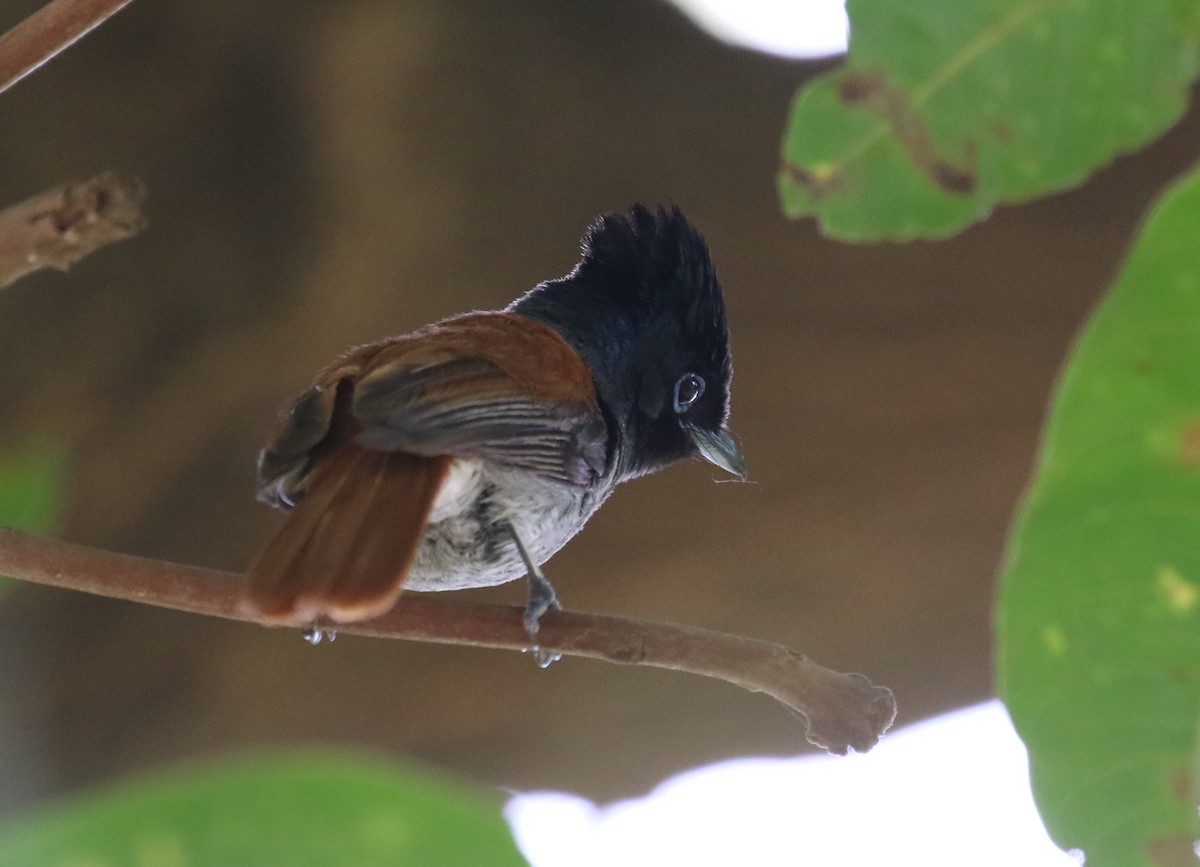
[467, 544]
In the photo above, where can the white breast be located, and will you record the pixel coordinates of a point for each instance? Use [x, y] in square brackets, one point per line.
[460, 489]
[467, 543]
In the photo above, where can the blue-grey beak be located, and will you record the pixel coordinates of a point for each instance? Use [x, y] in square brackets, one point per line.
[718, 448]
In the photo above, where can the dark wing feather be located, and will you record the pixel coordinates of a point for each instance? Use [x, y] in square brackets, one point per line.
[497, 386]
[563, 442]
[288, 457]
[477, 406]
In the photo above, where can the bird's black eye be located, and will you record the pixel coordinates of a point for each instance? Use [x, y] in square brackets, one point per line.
[687, 391]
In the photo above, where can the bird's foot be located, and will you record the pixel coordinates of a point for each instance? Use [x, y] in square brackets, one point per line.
[542, 598]
[315, 634]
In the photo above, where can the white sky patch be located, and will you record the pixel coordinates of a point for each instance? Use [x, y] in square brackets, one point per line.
[947, 792]
[789, 28]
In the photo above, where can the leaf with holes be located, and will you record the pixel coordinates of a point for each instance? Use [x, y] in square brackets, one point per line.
[308, 809]
[946, 108]
[1098, 628]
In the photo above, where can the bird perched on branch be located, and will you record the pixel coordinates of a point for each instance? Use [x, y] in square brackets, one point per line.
[468, 452]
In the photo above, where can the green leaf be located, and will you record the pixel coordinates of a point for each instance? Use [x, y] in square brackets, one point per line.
[309, 809]
[31, 485]
[31, 481]
[1098, 627]
[947, 107]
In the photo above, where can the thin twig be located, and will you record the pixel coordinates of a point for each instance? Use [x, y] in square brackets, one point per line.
[58, 227]
[45, 33]
[843, 711]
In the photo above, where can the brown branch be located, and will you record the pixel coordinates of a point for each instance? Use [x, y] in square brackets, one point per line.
[843, 711]
[52, 29]
[57, 228]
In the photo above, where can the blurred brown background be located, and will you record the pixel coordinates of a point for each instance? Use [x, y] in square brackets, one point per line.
[324, 173]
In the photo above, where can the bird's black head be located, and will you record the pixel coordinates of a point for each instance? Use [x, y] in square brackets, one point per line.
[644, 308]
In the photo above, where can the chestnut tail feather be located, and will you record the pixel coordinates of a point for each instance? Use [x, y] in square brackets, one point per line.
[346, 547]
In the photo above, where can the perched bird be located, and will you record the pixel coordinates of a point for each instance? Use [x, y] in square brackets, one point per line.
[467, 453]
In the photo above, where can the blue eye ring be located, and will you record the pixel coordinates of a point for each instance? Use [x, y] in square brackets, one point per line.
[688, 389]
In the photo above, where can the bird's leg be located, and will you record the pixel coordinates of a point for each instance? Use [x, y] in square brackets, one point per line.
[542, 598]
